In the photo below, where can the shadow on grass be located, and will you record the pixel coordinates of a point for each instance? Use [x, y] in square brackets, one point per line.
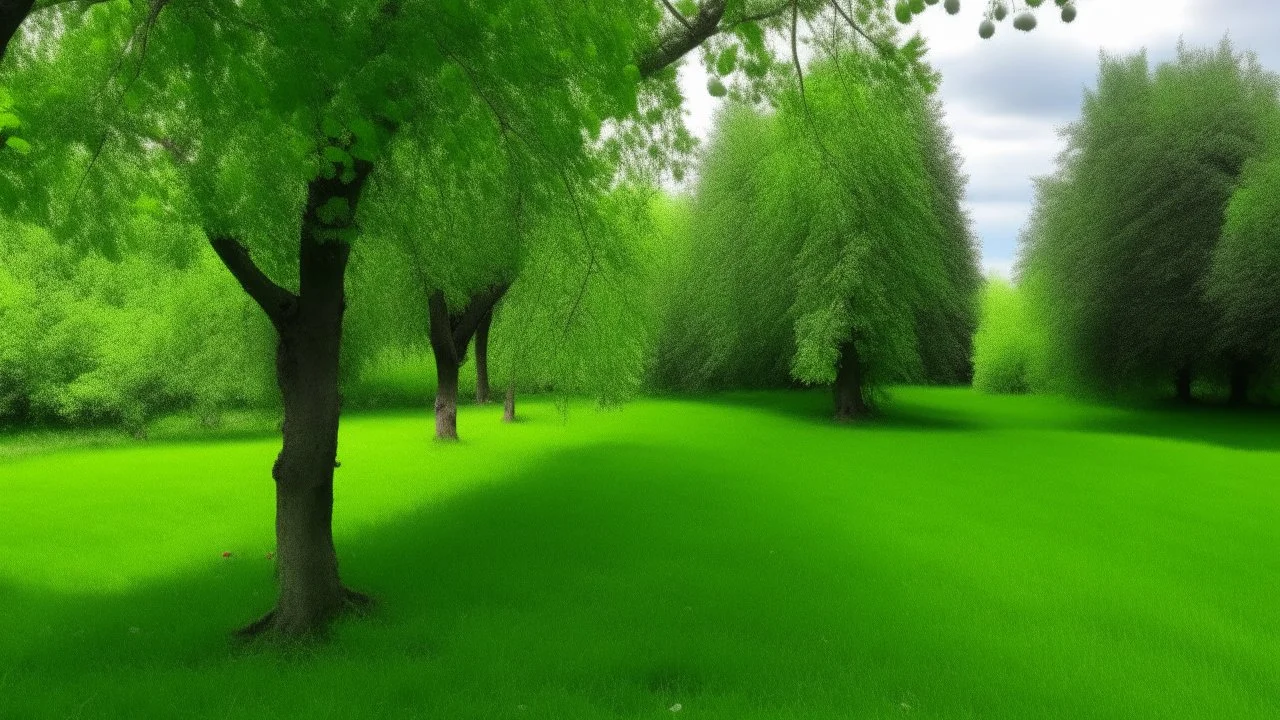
[617, 572]
[1246, 428]
[814, 406]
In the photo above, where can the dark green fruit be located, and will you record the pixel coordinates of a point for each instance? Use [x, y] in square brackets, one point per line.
[1001, 11]
[986, 29]
[1068, 12]
[1026, 22]
[952, 6]
[716, 88]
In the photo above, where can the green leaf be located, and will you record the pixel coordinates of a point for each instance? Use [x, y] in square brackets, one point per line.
[9, 120]
[336, 211]
[18, 145]
[335, 154]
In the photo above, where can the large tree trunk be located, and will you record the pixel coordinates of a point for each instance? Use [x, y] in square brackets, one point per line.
[509, 404]
[309, 330]
[850, 400]
[1240, 371]
[482, 358]
[446, 399]
[1182, 384]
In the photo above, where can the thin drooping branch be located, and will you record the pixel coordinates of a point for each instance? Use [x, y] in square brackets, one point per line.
[884, 51]
[279, 304]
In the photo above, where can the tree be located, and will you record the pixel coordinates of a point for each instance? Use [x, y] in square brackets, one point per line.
[1245, 271]
[945, 327]
[1124, 234]
[272, 119]
[869, 258]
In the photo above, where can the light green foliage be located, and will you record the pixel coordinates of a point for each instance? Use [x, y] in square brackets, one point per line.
[868, 257]
[728, 297]
[578, 319]
[673, 553]
[1119, 247]
[126, 340]
[1003, 346]
[835, 217]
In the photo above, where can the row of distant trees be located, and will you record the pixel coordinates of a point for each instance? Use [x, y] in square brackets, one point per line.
[1152, 258]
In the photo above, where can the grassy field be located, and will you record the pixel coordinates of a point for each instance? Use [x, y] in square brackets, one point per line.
[963, 557]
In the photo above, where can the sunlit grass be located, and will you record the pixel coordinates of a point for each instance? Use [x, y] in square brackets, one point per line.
[964, 557]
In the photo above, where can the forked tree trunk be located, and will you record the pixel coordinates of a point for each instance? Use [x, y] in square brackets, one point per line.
[850, 399]
[447, 363]
[1240, 371]
[509, 404]
[309, 339]
[482, 358]
[1182, 384]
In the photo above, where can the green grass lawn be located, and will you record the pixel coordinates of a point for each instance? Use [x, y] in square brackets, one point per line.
[964, 557]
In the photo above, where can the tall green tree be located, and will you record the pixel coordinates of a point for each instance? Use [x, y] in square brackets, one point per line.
[1246, 270]
[1121, 242]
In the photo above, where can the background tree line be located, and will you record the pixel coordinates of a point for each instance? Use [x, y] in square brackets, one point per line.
[1148, 266]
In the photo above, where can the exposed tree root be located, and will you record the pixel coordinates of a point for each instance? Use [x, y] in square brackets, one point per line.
[270, 627]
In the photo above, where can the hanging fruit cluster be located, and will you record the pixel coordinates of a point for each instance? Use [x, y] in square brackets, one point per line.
[1024, 18]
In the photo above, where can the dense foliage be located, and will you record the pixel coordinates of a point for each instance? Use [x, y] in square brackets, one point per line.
[1117, 257]
[826, 234]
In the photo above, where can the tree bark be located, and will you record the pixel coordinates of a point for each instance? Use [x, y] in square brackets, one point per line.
[309, 343]
[447, 364]
[1182, 384]
[482, 358]
[509, 404]
[450, 333]
[850, 398]
[1240, 371]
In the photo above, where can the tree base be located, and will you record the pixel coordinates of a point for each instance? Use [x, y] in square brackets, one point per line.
[277, 625]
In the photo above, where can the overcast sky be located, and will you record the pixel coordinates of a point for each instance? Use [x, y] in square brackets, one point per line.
[1006, 97]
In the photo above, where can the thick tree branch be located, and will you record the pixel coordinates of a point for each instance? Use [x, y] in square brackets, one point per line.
[464, 324]
[675, 42]
[279, 304]
[676, 14]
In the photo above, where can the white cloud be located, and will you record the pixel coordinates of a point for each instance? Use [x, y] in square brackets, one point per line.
[1007, 97]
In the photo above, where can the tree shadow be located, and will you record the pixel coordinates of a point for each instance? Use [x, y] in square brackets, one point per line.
[814, 406]
[613, 571]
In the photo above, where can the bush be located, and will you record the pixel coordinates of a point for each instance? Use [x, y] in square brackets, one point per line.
[1002, 346]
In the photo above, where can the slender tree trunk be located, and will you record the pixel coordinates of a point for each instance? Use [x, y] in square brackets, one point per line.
[1240, 371]
[509, 404]
[482, 358]
[1182, 384]
[850, 400]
